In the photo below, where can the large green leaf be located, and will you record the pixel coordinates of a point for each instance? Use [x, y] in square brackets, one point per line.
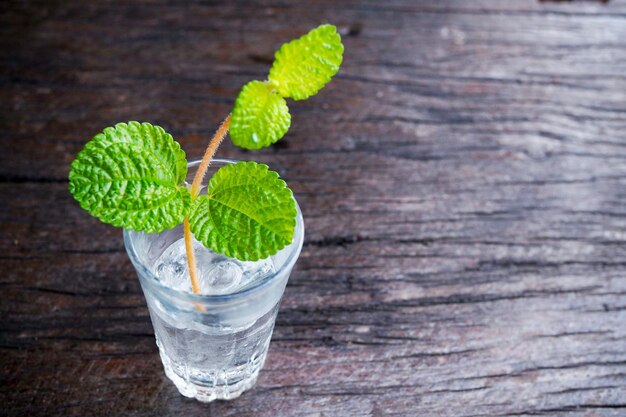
[303, 66]
[248, 212]
[260, 116]
[130, 176]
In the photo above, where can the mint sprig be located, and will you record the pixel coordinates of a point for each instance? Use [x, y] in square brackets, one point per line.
[131, 175]
[301, 68]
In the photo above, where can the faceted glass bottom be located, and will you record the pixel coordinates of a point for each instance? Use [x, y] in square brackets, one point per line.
[226, 386]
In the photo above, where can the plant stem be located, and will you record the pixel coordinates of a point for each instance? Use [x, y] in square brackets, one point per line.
[195, 191]
[208, 155]
[191, 258]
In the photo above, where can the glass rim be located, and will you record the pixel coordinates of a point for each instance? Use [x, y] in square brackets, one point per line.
[154, 282]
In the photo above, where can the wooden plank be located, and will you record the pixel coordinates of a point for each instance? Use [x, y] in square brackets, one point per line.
[463, 183]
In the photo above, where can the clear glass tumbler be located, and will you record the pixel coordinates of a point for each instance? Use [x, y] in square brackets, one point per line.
[212, 346]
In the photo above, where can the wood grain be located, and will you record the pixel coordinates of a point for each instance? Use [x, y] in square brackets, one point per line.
[463, 183]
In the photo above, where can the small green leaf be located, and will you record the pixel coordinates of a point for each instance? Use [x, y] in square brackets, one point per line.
[248, 212]
[130, 176]
[303, 66]
[260, 116]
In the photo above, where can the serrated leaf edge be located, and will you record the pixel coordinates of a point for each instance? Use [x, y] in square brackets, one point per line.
[328, 77]
[226, 246]
[276, 135]
[105, 213]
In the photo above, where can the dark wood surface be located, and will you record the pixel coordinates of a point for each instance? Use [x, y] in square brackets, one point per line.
[463, 182]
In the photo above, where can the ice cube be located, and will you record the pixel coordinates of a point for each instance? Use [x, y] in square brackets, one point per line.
[171, 267]
[218, 274]
[255, 270]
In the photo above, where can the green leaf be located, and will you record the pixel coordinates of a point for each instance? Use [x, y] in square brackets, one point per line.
[260, 116]
[303, 66]
[248, 212]
[131, 176]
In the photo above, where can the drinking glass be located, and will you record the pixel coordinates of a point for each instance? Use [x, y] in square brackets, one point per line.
[212, 346]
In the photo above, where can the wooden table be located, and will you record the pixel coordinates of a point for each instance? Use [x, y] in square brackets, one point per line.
[463, 182]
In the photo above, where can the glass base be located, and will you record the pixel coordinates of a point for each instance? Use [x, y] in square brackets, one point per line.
[229, 384]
